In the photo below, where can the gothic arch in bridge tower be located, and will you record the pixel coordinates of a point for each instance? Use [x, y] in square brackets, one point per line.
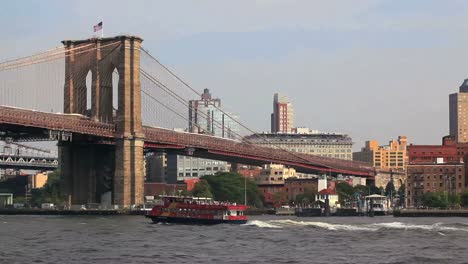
[89, 78]
[104, 57]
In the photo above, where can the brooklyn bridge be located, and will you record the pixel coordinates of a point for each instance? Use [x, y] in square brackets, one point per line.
[107, 102]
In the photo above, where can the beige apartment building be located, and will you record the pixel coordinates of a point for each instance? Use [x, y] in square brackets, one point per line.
[392, 156]
[274, 174]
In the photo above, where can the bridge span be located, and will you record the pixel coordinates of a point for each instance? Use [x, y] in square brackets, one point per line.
[22, 124]
[104, 127]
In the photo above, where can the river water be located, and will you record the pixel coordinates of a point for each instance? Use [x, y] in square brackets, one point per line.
[264, 239]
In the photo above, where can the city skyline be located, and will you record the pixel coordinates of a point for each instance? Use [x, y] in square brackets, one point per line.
[372, 55]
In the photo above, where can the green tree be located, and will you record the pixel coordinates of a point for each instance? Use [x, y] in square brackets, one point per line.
[402, 194]
[308, 196]
[202, 189]
[304, 199]
[345, 192]
[375, 190]
[361, 189]
[402, 190]
[453, 200]
[19, 199]
[186, 193]
[390, 189]
[435, 199]
[464, 199]
[51, 192]
[228, 186]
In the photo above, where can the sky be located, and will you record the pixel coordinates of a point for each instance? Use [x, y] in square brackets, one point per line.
[369, 68]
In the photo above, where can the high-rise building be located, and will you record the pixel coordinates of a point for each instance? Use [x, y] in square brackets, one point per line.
[282, 118]
[458, 113]
[388, 157]
[206, 117]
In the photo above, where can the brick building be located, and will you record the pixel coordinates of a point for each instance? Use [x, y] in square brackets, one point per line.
[288, 190]
[430, 153]
[430, 177]
[436, 168]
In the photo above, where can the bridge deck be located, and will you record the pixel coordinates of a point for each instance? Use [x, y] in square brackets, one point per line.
[17, 117]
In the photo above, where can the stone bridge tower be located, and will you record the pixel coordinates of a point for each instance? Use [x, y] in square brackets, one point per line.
[95, 170]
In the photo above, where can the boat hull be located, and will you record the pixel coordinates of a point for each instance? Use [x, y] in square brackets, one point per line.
[193, 221]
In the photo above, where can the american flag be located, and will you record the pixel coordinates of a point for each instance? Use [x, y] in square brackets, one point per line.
[98, 27]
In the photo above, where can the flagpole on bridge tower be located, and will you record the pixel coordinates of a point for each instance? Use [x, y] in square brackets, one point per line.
[102, 28]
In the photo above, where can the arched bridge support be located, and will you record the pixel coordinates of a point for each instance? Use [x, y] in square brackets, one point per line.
[103, 57]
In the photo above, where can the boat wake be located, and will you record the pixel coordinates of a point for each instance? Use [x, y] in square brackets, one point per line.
[324, 225]
[258, 223]
[435, 227]
[438, 227]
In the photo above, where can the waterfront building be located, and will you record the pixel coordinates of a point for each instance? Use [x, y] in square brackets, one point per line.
[435, 168]
[296, 186]
[285, 193]
[433, 177]
[331, 195]
[282, 118]
[458, 113]
[390, 157]
[332, 145]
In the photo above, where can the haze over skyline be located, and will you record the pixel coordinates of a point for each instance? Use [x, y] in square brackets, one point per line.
[372, 69]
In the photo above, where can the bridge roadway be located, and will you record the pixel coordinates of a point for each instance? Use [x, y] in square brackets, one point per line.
[23, 124]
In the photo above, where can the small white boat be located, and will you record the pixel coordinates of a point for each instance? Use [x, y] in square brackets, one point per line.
[377, 205]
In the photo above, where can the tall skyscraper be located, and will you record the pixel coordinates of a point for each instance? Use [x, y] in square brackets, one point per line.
[458, 113]
[206, 117]
[282, 118]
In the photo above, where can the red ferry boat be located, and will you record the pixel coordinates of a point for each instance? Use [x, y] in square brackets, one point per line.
[194, 210]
